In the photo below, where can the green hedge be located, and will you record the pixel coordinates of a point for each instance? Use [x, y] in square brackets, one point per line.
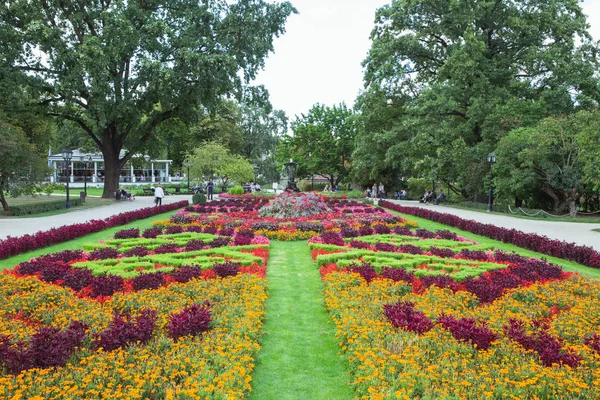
[41, 207]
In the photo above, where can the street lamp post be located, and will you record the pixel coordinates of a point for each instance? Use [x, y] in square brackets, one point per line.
[188, 164]
[67, 155]
[491, 158]
[86, 161]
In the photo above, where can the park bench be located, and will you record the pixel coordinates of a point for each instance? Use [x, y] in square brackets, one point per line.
[148, 192]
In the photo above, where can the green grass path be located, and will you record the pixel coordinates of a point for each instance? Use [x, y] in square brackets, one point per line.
[299, 357]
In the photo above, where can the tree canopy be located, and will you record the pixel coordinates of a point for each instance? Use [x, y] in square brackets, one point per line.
[323, 139]
[445, 80]
[21, 166]
[549, 158]
[213, 159]
[119, 69]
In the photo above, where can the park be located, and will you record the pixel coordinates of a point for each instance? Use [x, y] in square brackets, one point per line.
[168, 232]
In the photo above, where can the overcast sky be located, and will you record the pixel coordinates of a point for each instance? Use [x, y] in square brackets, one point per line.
[319, 58]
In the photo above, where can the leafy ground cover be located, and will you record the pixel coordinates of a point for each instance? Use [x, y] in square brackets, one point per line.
[184, 323]
[419, 330]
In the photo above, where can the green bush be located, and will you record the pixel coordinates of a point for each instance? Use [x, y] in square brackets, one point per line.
[198, 198]
[41, 207]
[237, 190]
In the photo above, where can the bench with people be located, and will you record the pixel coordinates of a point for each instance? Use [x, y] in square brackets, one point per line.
[124, 195]
[429, 197]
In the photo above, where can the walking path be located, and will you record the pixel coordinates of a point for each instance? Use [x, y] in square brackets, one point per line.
[580, 233]
[298, 359]
[22, 226]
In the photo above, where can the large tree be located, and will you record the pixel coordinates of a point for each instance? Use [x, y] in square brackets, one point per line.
[213, 160]
[549, 158]
[322, 142]
[463, 74]
[119, 69]
[21, 166]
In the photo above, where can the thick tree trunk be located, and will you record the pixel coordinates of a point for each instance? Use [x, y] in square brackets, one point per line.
[3, 201]
[112, 169]
[555, 199]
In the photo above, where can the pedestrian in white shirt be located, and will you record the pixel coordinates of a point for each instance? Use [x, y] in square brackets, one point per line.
[159, 193]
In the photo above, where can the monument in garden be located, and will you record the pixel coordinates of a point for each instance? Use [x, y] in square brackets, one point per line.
[291, 168]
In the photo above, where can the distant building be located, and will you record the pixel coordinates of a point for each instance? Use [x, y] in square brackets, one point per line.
[139, 169]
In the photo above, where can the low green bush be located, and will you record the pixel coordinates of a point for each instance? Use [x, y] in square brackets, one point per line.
[41, 207]
[198, 198]
[236, 190]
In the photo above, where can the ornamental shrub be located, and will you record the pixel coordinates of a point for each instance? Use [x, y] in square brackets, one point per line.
[187, 273]
[152, 233]
[365, 269]
[403, 315]
[332, 238]
[48, 347]
[152, 280]
[167, 248]
[236, 191]
[124, 331]
[127, 234]
[104, 253]
[226, 269]
[191, 321]
[466, 330]
[198, 198]
[138, 251]
[397, 274]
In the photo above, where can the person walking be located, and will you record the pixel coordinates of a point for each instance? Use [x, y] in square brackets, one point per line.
[210, 186]
[374, 191]
[381, 190]
[159, 193]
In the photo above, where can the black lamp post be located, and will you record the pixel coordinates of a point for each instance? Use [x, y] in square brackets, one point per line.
[491, 158]
[67, 156]
[86, 161]
[188, 164]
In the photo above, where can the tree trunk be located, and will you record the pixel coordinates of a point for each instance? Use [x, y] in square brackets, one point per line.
[112, 169]
[3, 201]
[555, 199]
[572, 199]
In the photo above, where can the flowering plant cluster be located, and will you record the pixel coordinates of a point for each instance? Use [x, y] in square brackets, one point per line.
[291, 205]
[570, 251]
[191, 340]
[536, 341]
[171, 313]
[16, 245]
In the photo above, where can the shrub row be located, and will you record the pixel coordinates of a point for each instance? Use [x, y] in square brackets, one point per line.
[41, 207]
[16, 245]
[584, 255]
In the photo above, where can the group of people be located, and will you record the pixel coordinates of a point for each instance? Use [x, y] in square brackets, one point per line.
[252, 187]
[124, 194]
[401, 194]
[430, 197]
[376, 191]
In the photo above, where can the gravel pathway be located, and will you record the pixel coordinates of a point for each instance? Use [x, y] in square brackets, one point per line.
[22, 226]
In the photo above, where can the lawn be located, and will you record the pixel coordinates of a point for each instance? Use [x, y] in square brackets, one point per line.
[389, 306]
[91, 202]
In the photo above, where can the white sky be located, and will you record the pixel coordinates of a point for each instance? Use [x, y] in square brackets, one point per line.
[318, 59]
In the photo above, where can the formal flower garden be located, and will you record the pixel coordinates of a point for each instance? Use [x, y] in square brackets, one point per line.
[177, 310]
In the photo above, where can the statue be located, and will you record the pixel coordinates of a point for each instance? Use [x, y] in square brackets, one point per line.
[291, 172]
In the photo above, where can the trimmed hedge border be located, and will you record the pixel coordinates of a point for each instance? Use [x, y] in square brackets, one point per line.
[16, 245]
[41, 207]
[584, 255]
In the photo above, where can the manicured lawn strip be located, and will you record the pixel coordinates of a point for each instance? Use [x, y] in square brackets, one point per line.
[565, 264]
[298, 359]
[79, 242]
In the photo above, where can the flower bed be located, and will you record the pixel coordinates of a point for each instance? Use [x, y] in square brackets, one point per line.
[569, 251]
[144, 315]
[16, 245]
[521, 323]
